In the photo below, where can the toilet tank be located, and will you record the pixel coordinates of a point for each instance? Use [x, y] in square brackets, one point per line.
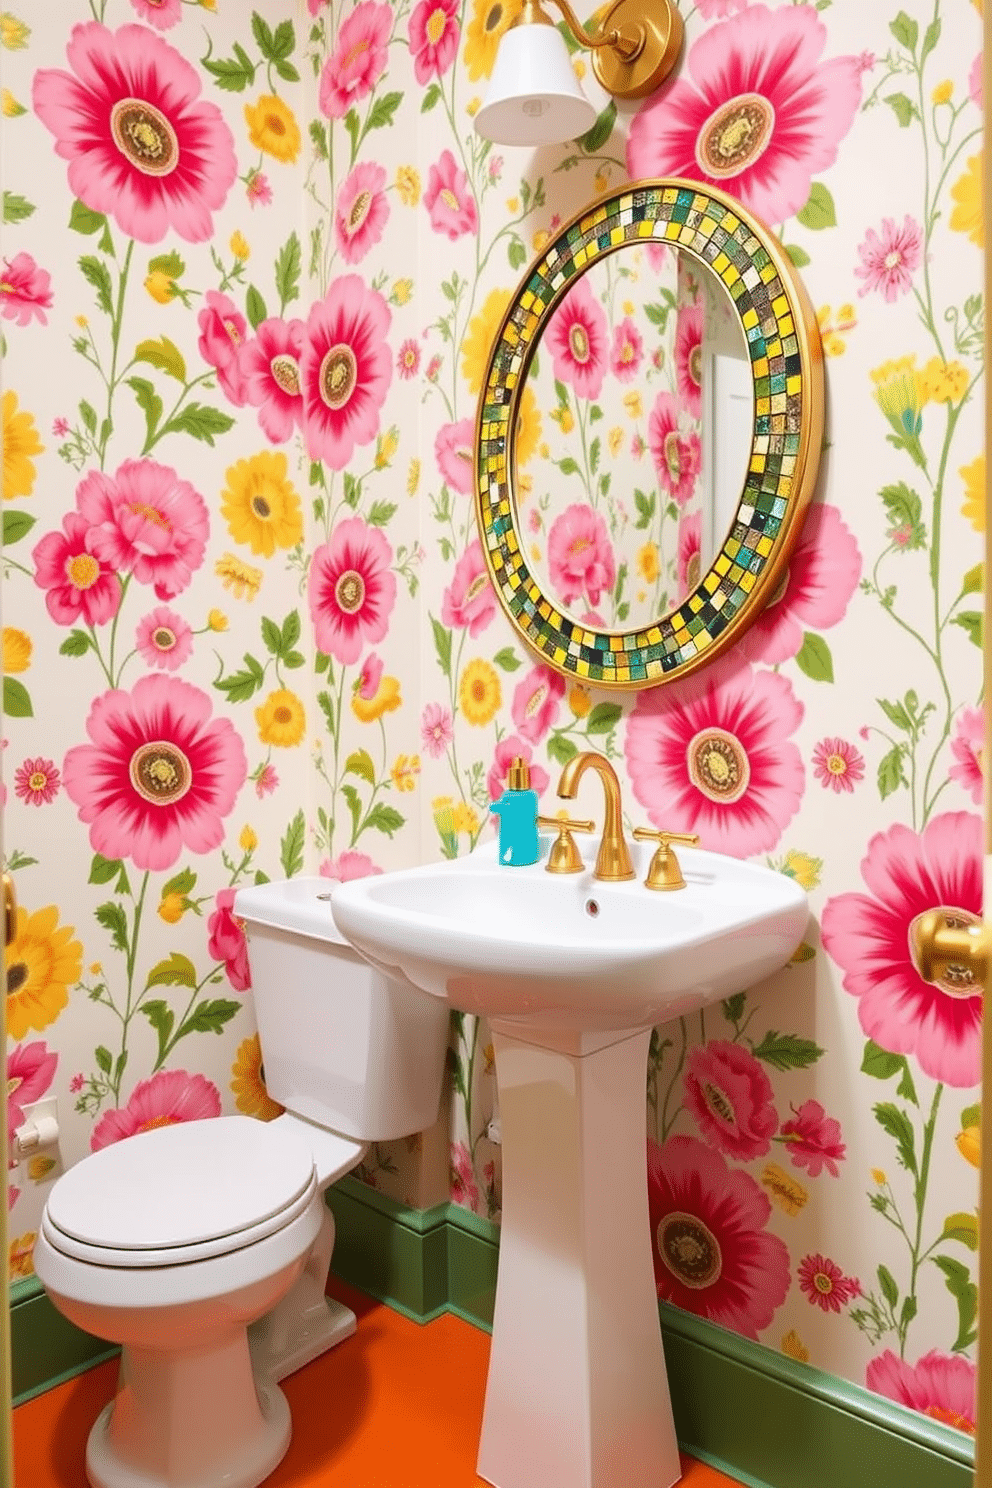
[342, 1044]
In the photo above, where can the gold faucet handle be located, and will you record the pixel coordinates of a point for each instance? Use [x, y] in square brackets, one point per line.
[664, 872]
[564, 856]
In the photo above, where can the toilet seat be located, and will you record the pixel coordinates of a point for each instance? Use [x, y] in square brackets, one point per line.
[174, 1195]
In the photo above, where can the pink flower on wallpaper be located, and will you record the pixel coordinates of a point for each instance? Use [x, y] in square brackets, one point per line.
[968, 749]
[868, 935]
[270, 369]
[941, 1386]
[30, 1072]
[729, 1096]
[346, 368]
[753, 110]
[258, 190]
[824, 1284]
[361, 211]
[25, 290]
[369, 676]
[889, 261]
[166, 1099]
[223, 334]
[712, 1253]
[689, 552]
[689, 359]
[162, 14]
[712, 754]
[717, 10]
[578, 338]
[507, 751]
[454, 450]
[676, 452]
[78, 584]
[437, 729]
[823, 573]
[449, 200]
[813, 1139]
[141, 145]
[408, 359]
[536, 702]
[580, 554]
[627, 351]
[159, 774]
[144, 520]
[226, 941]
[37, 781]
[469, 600]
[349, 865]
[462, 1186]
[975, 82]
[163, 639]
[266, 781]
[316, 6]
[434, 32]
[358, 60]
[837, 765]
[351, 590]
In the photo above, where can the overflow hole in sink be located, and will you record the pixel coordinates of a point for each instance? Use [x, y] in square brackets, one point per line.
[592, 908]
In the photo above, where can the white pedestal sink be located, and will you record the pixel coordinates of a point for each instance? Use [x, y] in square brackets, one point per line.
[573, 973]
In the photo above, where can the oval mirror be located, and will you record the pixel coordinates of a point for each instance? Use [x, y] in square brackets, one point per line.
[680, 385]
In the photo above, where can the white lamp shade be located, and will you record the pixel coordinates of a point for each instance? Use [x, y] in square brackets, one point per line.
[534, 97]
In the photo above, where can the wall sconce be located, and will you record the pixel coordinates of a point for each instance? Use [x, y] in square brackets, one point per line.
[534, 97]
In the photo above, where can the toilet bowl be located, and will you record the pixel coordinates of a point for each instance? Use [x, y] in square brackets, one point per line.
[203, 1248]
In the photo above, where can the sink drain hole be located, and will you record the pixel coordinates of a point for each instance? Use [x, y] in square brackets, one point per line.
[592, 908]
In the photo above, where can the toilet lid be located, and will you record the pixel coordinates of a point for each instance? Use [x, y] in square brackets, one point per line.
[180, 1193]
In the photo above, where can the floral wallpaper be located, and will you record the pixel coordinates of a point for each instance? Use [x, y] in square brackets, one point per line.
[253, 261]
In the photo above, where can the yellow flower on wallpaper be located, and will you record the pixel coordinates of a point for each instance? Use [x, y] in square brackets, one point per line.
[9, 104]
[217, 620]
[784, 1191]
[947, 382]
[562, 416]
[405, 771]
[17, 648]
[385, 699]
[260, 504]
[648, 565]
[20, 443]
[793, 1345]
[967, 196]
[973, 507]
[272, 128]
[402, 290]
[490, 18]
[413, 477]
[172, 908]
[248, 1084]
[281, 719]
[161, 287]
[528, 426]
[20, 1260]
[239, 246]
[13, 32]
[803, 868]
[969, 1144]
[580, 700]
[615, 439]
[408, 185]
[43, 962]
[479, 693]
[478, 340]
[248, 840]
[465, 818]
[242, 579]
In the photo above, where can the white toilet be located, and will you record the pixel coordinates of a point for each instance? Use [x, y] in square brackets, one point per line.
[203, 1248]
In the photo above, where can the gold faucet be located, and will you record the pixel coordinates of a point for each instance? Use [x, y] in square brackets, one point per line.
[613, 860]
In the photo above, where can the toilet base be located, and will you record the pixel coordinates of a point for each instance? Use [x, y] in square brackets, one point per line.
[305, 1323]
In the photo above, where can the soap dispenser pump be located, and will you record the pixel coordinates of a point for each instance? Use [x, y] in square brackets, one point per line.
[517, 812]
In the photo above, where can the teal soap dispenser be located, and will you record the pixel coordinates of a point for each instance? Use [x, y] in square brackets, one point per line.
[517, 812]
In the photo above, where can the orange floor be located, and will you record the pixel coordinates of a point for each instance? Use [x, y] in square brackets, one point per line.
[397, 1406]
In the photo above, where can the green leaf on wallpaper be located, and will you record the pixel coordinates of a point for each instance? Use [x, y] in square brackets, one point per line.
[385, 819]
[169, 264]
[360, 763]
[603, 717]
[255, 307]
[453, 1066]
[507, 659]
[112, 917]
[971, 621]
[974, 580]
[819, 211]
[352, 489]
[890, 772]
[102, 869]
[240, 686]
[899, 1127]
[199, 420]
[16, 208]
[595, 450]
[273, 44]
[272, 636]
[326, 705]
[787, 1051]
[645, 504]
[97, 274]
[595, 138]
[208, 1017]
[733, 1007]
[183, 882]
[442, 645]
[87, 414]
[904, 514]
[971, 1116]
[516, 252]
[85, 221]
[963, 1228]
[165, 355]
[957, 1279]
[904, 108]
[162, 1019]
[568, 466]
[886, 1282]
[232, 74]
[16, 524]
[595, 413]
[882, 1065]
[814, 658]
[381, 513]
[561, 749]
[318, 138]
[292, 844]
[432, 97]
[16, 699]
[797, 255]
[383, 110]
[905, 30]
[176, 970]
[104, 1059]
[289, 264]
[148, 401]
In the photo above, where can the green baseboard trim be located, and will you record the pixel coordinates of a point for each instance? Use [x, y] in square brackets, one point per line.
[46, 1349]
[814, 1430]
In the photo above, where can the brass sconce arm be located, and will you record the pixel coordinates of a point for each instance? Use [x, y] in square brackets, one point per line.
[635, 48]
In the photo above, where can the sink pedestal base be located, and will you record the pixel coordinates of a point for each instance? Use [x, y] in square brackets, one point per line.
[577, 1395]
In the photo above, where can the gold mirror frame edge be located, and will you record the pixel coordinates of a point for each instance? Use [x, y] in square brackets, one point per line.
[811, 428]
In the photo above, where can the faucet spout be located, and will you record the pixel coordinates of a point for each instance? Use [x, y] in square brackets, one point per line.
[613, 860]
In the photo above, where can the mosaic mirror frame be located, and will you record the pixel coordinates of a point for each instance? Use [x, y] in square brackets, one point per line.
[786, 358]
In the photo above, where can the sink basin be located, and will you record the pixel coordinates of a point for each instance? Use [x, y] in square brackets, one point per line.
[572, 973]
[570, 951]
